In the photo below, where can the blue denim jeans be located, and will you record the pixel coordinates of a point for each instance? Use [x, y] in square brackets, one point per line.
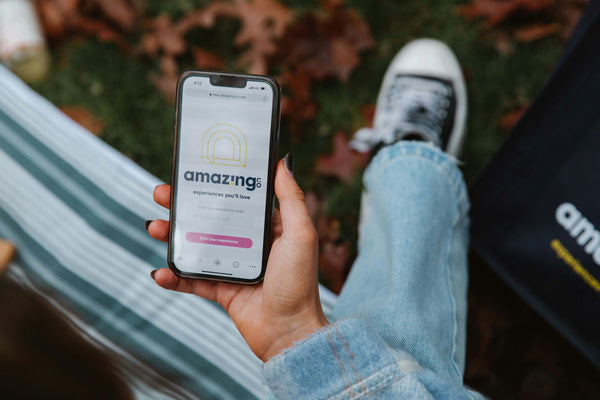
[400, 325]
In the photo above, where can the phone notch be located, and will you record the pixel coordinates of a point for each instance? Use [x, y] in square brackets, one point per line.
[228, 81]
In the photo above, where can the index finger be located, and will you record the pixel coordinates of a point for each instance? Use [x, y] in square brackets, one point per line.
[162, 195]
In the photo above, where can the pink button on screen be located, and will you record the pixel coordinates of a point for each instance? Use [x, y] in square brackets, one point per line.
[219, 240]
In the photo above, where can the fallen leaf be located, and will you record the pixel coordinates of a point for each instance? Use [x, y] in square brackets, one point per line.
[497, 11]
[368, 114]
[343, 162]
[314, 205]
[503, 42]
[328, 228]
[325, 45]
[166, 82]
[163, 35]
[568, 13]
[205, 59]
[333, 263]
[263, 23]
[7, 252]
[99, 29]
[534, 32]
[297, 106]
[510, 119]
[120, 12]
[54, 16]
[85, 118]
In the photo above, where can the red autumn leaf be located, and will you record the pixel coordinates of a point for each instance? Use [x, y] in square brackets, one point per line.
[7, 252]
[534, 32]
[100, 29]
[120, 12]
[103, 19]
[328, 228]
[333, 263]
[85, 118]
[163, 35]
[368, 114]
[166, 82]
[263, 23]
[297, 106]
[497, 11]
[326, 45]
[568, 13]
[205, 59]
[510, 119]
[55, 15]
[314, 205]
[343, 163]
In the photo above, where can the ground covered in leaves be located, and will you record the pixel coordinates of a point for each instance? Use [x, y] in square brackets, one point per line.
[115, 64]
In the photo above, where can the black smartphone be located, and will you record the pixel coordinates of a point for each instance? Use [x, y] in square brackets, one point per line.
[224, 159]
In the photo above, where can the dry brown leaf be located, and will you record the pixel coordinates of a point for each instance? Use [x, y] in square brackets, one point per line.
[205, 59]
[55, 15]
[166, 82]
[314, 204]
[568, 13]
[163, 35]
[7, 252]
[101, 18]
[534, 32]
[297, 106]
[510, 119]
[368, 114]
[334, 262]
[120, 12]
[85, 118]
[100, 29]
[325, 45]
[328, 228]
[497, 11]
[263, 23]
[343, 162]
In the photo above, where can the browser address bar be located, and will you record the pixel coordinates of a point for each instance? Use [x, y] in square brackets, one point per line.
[220, 95]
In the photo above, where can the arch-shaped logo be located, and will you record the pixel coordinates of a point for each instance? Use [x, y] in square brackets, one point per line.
[224, 144]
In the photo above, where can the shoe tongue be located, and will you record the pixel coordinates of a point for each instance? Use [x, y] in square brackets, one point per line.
[416, 131]
[415, 135]
[418, 106]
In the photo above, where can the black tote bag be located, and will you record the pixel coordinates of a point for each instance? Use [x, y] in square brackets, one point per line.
[536, 208]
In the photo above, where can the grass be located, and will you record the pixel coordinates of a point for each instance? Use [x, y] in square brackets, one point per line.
[139, 122]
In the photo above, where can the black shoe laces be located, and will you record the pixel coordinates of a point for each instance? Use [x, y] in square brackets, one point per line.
[416, 106]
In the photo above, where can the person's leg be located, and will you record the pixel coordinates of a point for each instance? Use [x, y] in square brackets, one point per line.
[410, 277]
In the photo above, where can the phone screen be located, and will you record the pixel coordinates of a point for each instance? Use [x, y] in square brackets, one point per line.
[222, 197]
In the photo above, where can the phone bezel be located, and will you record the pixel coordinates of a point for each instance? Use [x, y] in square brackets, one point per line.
[270, 198]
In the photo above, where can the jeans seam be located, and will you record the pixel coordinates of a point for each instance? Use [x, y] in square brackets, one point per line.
[410, 366]
[452, 299]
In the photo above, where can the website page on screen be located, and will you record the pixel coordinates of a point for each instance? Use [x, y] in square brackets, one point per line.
[224, 141]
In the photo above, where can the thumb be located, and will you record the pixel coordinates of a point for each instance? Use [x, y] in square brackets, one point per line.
[294, 214]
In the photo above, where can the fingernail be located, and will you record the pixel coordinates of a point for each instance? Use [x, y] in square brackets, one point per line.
[147, 223]
[288, 161]
[152, 273]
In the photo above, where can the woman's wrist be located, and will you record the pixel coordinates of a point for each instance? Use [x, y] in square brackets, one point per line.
[295, 335]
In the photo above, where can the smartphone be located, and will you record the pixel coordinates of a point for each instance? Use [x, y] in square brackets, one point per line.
[224, 159]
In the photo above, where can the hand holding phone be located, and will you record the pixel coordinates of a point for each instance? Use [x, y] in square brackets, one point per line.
[224, 157]
[285, 308]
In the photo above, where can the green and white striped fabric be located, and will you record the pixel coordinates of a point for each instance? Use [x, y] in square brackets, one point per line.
[75, 208]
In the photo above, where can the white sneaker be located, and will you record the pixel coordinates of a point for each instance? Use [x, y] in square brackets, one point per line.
[422, 97]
